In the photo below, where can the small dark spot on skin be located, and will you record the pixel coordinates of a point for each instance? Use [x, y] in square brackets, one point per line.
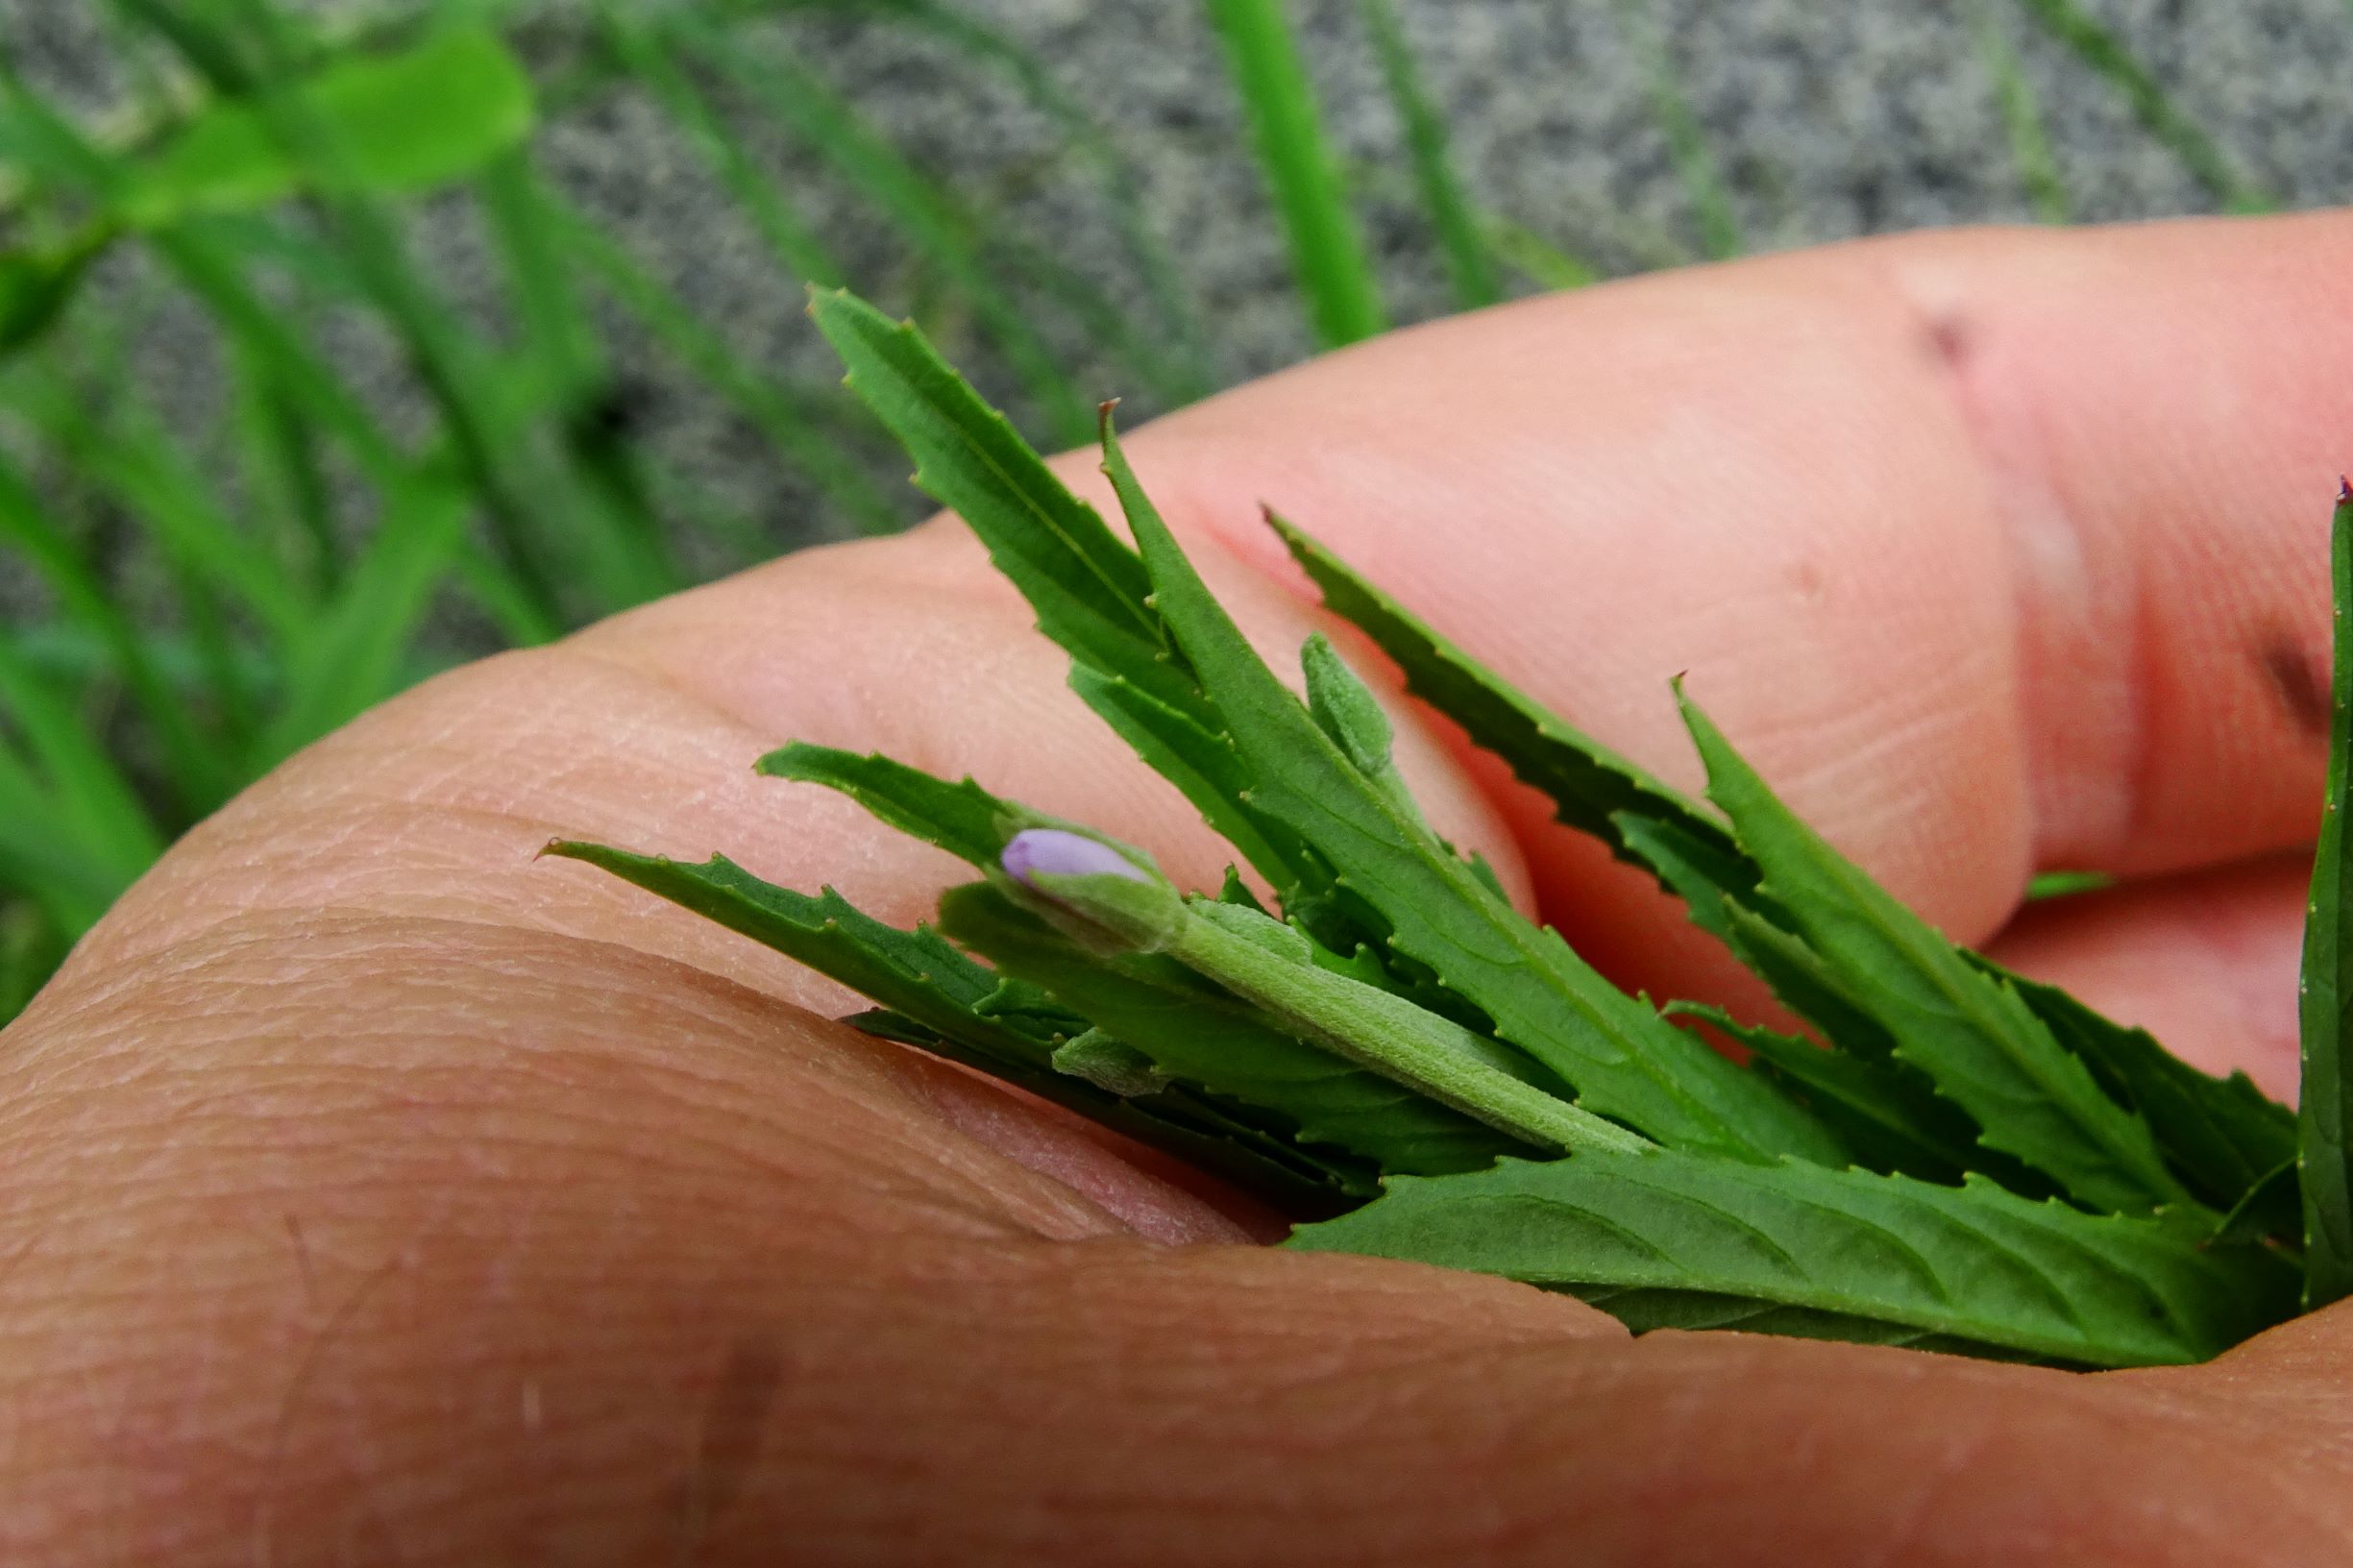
[734, 1422]
[1806, 578]
[1950, 340]
[2300, 681]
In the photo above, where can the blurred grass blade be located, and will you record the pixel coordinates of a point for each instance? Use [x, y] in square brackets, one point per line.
[568, 372]
[939, 226]
[786, 417]
[547, 539]
[2021, 117]
[1694, 164]
[36, 285]
[557, 336]
[32, 946]
[144, 470]
[791, 236]
[353, 658]
[1194, 370]
[208, 269]
[1470, 259]
[68, 882]
[1535, 257]
[1328, 253]
[284, 468]
[2045, 884]
[194, 770]
[94, 802]
[405, 122]
[212, 270]
[2100, 49]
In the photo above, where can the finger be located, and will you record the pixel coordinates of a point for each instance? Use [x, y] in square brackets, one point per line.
[1998, 551]
[2206, 962]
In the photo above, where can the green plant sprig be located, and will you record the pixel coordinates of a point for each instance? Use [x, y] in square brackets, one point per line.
[1962, 1160]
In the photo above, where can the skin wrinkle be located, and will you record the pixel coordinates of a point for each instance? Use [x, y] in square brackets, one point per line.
[265, 1542]
[951, 1153]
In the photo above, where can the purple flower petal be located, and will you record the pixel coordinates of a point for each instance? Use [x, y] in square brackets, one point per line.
[1057, 852]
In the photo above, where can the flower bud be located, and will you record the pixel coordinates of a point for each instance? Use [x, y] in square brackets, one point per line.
[1093, 892]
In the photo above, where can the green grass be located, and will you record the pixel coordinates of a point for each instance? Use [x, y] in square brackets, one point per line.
[2022, 119]
[1302, 170]
[208, 596]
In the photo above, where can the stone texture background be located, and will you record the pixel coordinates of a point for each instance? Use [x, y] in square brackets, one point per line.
[1829, 119]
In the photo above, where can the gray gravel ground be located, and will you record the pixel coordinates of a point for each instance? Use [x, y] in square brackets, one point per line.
[1830, 120]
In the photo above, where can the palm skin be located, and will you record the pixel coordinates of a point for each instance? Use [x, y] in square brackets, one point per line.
[376, 1193]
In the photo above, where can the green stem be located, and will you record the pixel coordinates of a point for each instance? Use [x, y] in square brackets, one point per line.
[1393, 1037]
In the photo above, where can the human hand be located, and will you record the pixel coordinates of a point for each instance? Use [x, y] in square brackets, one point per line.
[373, 1193]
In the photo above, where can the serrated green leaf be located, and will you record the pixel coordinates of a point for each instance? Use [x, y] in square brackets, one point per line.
[1086, 587]
[1966, 1030]
[1590, 785]
[922, 981]
[1978, 1264]
[1885, 1111]
[1201, 765]
[1623, 1060]
[1805, 985]
[2325, 1012]
[1196, 1032]
[961, 819]
[2272, 1207]
[1109, 1063]
[2222, 1136]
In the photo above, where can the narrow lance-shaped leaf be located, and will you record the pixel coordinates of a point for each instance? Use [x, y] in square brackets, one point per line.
[1623, 1060]
[1589, 784]
[1870, 1257]
[961, 819]
[1329, 1100]
[2325, 1103]
[1086, 587]
[1985, 1049]
[1652, 825]
[1886, 1112]
[923, 981]
[2223, 1136]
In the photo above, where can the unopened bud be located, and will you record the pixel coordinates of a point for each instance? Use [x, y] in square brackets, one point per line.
[1093, 892]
